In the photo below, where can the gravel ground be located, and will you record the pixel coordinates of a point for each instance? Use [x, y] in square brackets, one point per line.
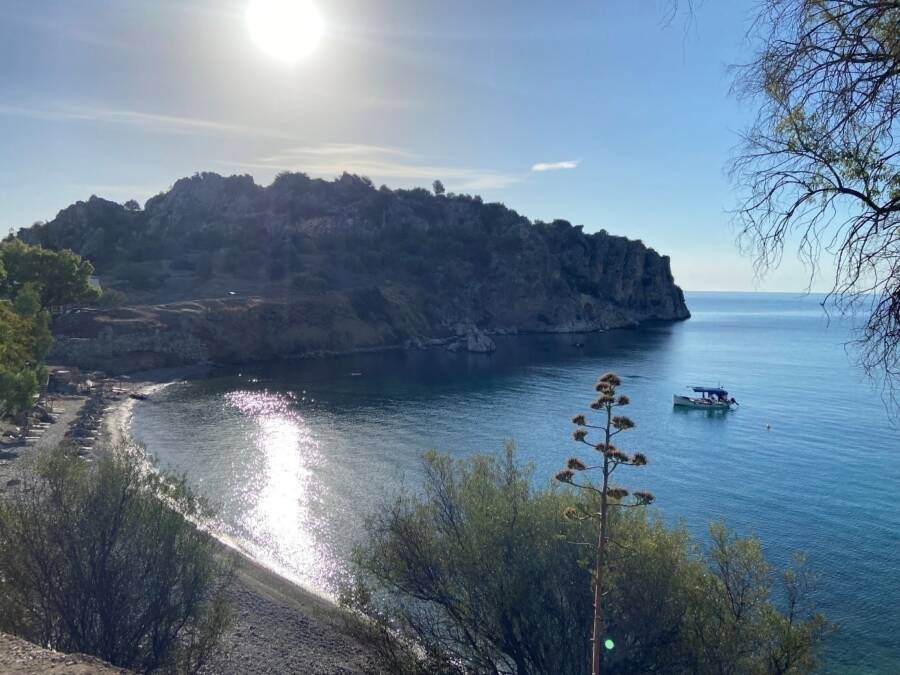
[18, 657]
[67, 409]
[281, 628]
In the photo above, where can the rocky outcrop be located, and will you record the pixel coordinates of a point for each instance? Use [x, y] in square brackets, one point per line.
[479, 343]
[221, 269]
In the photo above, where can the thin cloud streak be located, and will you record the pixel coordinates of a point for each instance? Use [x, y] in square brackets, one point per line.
[556, 166]
[171, 124]
[336, 150]
[326, 159]
[333, 159]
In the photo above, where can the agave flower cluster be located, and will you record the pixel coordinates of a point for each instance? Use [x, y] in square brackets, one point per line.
[607, 405]
[610, 425]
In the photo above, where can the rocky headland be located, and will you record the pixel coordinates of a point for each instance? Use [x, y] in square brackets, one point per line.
[220, 269]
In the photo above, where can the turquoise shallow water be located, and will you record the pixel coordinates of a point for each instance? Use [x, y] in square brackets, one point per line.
[294, 454]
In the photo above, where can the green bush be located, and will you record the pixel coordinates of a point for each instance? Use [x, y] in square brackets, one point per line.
[480, 573]
[60, 277]
[23, 342]
[100, 560]
[33, 282]
[111, 298]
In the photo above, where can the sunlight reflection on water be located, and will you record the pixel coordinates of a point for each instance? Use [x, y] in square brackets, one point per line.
[278, 509]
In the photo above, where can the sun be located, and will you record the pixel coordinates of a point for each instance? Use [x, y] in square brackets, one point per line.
[287, 30]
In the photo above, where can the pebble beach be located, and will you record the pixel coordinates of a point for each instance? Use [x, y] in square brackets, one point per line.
[278, 627]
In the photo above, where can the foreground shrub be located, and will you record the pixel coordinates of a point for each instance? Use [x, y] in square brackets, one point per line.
[480, 573]
[99, 560]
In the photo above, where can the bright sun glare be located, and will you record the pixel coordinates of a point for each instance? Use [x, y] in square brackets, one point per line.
[286, 30]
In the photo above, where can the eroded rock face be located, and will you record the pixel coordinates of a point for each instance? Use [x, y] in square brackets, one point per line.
[221, 269]
[479, 343]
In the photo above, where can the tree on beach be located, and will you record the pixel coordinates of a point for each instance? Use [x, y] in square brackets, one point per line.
[821, 160]
[61, 277]
[32, 281]
[609, 496]
[21, 348]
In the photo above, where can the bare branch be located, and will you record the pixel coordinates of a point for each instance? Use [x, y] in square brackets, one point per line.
[819, 167]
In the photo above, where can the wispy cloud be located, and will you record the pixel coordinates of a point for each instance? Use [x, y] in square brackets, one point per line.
[169, 124]
[336, 150]
[50, 27]
[379, 162]
[556, 166]
[324, 159]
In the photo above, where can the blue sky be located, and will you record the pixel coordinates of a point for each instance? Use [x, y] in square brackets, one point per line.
[121, 98]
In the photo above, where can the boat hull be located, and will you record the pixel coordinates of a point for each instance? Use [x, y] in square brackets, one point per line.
[701, 403]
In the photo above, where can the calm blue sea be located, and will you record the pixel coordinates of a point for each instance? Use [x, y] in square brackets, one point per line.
[295, 453]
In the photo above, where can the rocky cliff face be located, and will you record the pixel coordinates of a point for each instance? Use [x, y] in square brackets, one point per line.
[222, 269]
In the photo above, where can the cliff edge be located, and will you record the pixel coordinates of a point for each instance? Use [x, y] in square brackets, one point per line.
[222, 269]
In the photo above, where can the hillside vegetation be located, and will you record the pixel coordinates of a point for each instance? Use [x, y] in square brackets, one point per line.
[348, 265]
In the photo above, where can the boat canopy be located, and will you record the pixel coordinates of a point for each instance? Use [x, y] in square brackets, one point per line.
[715, 391]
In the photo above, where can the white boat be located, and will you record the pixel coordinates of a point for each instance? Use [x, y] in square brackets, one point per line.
[711, 398]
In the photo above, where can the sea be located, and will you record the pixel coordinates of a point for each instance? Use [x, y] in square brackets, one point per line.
[293, 455]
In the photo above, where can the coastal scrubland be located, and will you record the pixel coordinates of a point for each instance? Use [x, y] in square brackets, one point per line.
[488, 568]
[104, 560]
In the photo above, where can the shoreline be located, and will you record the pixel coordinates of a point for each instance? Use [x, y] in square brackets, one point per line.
[458, 342]
[279, 625]
[116, 433]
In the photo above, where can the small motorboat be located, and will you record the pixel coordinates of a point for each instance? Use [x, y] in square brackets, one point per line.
[711, 398]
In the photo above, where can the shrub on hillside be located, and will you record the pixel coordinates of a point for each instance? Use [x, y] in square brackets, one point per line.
[479, 572]
[100, 560]
[111, 298]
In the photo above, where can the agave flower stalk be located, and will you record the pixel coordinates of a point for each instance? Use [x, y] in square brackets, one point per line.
[611, 424]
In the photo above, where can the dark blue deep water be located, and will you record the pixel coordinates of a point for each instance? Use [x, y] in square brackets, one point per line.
[295, 453]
